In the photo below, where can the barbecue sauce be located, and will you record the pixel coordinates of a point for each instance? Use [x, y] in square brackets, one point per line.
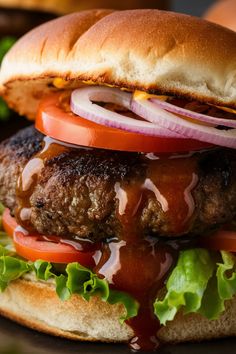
[172, 181]
[140, 265]
[135, 263]
[29, 178]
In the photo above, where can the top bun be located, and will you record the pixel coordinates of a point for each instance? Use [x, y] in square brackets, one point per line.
[150, 50]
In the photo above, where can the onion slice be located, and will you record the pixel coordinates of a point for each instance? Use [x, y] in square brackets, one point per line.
[151, 112]
[215, 121]
[82, 105]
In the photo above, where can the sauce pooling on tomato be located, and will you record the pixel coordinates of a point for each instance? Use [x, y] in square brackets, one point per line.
[135, 263]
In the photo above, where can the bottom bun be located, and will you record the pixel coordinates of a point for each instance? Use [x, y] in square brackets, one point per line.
[36, 305]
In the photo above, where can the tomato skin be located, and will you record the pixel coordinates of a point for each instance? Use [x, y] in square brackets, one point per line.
[34, 247]
[221, 240]
[55, 122]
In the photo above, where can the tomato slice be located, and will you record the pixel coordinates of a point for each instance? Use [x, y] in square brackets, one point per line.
[33, 247]
[221, 240]
[56, 122]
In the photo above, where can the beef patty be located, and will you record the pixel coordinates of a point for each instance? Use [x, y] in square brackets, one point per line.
[77, 190]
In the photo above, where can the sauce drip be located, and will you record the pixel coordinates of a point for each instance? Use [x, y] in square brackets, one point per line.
[140, 265]
[27, 181]
[135, 263]
[172, 181]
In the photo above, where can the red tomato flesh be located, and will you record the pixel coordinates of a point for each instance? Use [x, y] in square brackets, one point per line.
[34, 247]
[221, 240]
[9, 223]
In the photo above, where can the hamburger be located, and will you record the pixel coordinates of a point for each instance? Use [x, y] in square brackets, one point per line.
[119, 204]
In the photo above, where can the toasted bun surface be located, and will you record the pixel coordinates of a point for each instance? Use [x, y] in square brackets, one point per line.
[150, 50]
[36, 305]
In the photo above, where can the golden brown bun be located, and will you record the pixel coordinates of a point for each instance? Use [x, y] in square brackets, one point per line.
[223, 13]
[144, 49]
[36, 305]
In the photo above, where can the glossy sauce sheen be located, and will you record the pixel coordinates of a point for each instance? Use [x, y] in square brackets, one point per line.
[172, 181]
[141, 266]
[135, 264]
[29, 177]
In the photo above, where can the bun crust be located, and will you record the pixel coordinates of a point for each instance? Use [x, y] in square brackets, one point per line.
[36, 305]
[151, 50]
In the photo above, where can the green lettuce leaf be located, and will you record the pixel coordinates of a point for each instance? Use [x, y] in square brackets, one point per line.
[5, 44]
[186, 284]
[76, 279]
[4, 111]
[70, 279]
[200, 283]
[226, 276]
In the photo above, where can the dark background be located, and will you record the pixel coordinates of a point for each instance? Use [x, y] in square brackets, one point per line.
[191, 7]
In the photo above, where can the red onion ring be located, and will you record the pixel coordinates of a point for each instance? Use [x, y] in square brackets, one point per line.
[151, 112]
[198, 116]
[82, 105]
